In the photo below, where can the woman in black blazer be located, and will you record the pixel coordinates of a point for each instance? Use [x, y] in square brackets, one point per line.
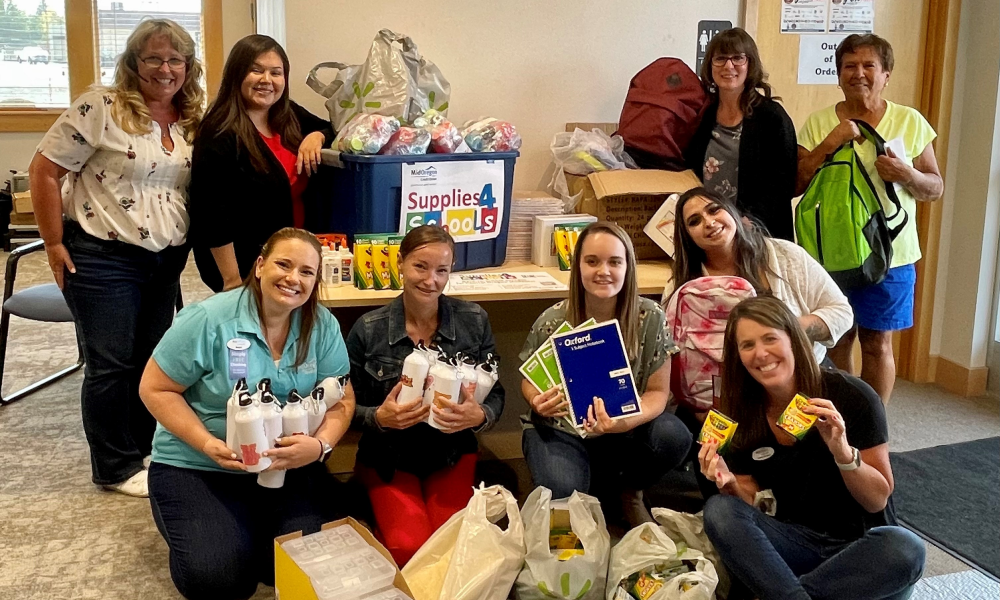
[252, 159]
[745, 147]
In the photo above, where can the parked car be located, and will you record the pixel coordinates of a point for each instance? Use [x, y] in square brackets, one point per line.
[33, 54]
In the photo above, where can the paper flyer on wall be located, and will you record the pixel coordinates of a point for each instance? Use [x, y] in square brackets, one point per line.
[593, 363]
[803, 16]
[852, 16]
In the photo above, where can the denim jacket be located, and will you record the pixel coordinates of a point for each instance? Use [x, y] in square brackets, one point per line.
[377, 346]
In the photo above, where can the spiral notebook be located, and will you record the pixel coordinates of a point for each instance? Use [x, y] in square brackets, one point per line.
[593, 362]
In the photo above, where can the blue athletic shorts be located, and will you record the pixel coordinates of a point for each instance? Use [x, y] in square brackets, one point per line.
[887, 306]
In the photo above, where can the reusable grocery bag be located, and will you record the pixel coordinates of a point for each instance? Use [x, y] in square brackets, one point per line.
[395, 80]
[470, 557]
[544, 575]
[649, 544]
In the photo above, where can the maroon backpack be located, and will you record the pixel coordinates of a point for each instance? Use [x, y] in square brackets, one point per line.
[662, 111]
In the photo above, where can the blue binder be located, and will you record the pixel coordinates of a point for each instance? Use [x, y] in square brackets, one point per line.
[593, 362]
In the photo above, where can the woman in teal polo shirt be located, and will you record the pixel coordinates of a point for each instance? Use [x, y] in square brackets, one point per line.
[218, 522]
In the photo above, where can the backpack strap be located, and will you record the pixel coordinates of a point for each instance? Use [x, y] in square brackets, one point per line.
[890, 190]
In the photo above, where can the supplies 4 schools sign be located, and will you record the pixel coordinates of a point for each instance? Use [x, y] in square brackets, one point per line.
[464, 197]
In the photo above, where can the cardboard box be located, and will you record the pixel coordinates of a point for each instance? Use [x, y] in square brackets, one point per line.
[22, 203]
[630, 199]
[608, 128]
[292, 583]
[17, 218]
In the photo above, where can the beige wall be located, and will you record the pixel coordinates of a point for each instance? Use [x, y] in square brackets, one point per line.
[971, 215]
[537, 63]
[16, 149]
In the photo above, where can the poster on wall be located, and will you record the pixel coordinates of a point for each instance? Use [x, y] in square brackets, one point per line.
[803, 16]
[817, 60]
[464, 197]
[852, 16]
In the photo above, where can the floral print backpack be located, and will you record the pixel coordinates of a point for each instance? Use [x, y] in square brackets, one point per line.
[696, 314]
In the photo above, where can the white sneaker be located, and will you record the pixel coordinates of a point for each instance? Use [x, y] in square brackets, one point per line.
[146, 460]
[135, 486]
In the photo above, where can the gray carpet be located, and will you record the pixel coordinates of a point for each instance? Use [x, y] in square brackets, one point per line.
[61, 537]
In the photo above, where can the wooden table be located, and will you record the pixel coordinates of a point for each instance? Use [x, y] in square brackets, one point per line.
[652, 277]
[511, 316]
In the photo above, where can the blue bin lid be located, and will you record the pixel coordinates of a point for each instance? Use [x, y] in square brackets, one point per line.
[417, 158]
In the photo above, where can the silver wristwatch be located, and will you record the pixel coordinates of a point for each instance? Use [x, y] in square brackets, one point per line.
[855, 461]
[327, 451]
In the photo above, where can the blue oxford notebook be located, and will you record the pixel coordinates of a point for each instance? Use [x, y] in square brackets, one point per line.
[593, 362]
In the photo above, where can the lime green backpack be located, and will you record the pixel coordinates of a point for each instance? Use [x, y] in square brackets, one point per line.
[841, 222]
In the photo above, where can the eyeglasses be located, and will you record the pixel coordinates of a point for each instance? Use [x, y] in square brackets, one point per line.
[155, 62]
[738, 60]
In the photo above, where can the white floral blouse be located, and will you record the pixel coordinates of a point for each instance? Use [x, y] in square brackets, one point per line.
[121, 186]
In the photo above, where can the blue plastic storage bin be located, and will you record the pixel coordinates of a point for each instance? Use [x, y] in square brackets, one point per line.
[363, 194]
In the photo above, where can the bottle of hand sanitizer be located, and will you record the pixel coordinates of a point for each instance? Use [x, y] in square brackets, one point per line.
[346, 266]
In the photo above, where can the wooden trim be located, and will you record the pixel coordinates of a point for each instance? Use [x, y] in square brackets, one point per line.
[81, 41]
[18, 120]
[750, 9]
[941, 35]
[960, 380]
[211, 15]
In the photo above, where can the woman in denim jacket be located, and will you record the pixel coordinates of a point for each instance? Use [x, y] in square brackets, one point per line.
[418, 476]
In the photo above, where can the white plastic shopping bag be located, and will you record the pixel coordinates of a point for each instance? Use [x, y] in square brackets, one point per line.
[648, 545]
[580, 577]
[690, 529]
[470, 557]
[395, 81]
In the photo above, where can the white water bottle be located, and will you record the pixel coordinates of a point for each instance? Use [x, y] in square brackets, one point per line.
[250, 435]
[270, 412]
[413, 377]
[433, 357]
[233, 405]
[264, 385]
[487, 374]
[467, 367]
[316, 409]
[446, 386]
[294, 418]
[333, 389]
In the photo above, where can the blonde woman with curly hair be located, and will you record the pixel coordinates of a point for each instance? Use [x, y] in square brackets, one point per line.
[115, 231]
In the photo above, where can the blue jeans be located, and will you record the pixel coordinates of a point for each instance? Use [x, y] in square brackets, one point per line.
[613, 462]
[122, 298]
[785, 561]
[220, 527]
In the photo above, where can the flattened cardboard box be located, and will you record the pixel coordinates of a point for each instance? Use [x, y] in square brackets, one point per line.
[292, 583]
[630, 198]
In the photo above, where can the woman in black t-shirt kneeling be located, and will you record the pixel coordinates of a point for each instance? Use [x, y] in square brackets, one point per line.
[832, 535]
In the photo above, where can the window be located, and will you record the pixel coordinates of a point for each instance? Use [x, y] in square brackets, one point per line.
[52, 50]
[34, 70]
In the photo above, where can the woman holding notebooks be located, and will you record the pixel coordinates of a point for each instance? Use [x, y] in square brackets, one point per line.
[832, 534]
[418, 476]
[605, 455]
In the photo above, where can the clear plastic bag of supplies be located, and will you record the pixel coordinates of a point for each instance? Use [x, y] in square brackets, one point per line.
[365, 134]
[471, 557]
[487, 134]
[568, 549]
[407, 141]
[445, 137]
[582, 153]
[647, 562]
[395, 80]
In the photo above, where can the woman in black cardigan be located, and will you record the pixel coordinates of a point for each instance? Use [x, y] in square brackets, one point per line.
[745, 148]
[251, 163]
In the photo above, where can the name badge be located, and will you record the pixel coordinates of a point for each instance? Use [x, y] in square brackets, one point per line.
[763, 453]
[238, 355]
